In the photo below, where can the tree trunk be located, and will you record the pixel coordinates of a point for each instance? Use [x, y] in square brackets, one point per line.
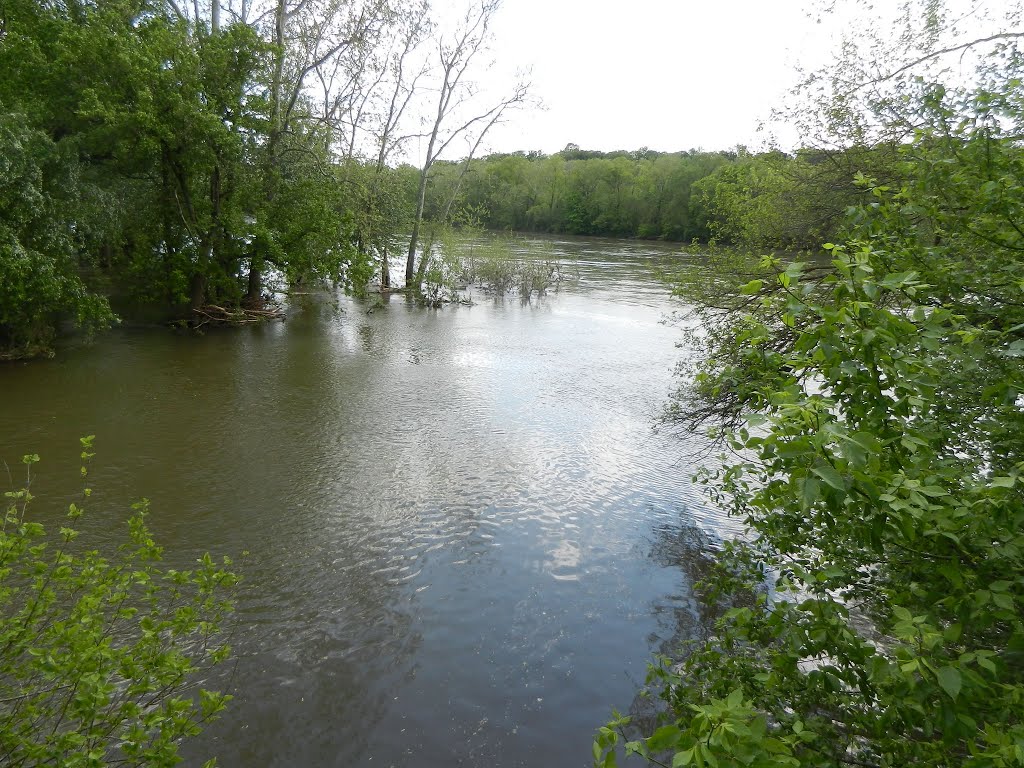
[253, 297]
[421, 269]
[385, 272]
[199, 288]
[410, 261]
[254, 287]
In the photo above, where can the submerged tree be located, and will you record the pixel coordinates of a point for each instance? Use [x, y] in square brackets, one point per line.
[457, 116]
[194, 155]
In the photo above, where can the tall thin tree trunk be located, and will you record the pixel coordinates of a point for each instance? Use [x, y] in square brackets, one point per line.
[255, 282]
[169, 249]
[254, 288]
[201, 277]
[385, 272]
[421, 198]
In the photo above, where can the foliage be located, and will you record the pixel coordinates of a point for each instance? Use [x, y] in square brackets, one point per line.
[39, 277]
[774, 201]
[101, 651]
[177, 159]
[770, 200]
[443, 274]
[471, 257]
[876, 434]
[619, 194]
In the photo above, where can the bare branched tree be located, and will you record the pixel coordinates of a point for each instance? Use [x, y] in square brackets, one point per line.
[315, 41]
[855, 99]
[458, 114]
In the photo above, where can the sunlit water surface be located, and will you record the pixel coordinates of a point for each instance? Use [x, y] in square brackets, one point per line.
[466, 537]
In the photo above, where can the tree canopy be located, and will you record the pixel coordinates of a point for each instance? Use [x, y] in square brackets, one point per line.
[177, 155]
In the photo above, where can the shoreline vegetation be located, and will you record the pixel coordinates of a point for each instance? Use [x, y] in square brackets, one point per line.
[105, 648]
[870, 408]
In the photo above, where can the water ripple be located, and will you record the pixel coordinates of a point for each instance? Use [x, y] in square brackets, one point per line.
[449, 514]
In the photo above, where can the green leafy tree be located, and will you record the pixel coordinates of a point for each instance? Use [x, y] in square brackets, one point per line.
[873, 405]
[202, 161]
[40, 280]
[768, 202]
[100, 650]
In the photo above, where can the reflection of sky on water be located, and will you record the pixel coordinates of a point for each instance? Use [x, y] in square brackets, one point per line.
[450, 513]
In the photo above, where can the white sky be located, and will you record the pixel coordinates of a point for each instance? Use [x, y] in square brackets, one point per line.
[666, 74]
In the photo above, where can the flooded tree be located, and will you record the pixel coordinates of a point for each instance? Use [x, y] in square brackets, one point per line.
[458, 115]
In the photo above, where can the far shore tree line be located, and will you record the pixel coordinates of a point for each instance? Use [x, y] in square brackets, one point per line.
[770, 199]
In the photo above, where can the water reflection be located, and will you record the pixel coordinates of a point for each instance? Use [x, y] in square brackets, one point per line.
[458, 521]
[683, 616]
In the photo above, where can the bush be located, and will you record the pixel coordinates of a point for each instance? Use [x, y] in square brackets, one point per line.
[100, 652]
[874, 411]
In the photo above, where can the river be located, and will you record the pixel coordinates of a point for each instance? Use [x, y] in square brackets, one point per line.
[466, 538]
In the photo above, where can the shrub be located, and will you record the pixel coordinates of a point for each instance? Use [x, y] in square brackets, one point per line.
[100, 652]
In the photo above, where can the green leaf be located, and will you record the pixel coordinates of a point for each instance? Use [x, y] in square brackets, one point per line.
[664, 738]
[810, 492]
[1003, 601]
[950, 680]
[754, 286]
[830, 476]
[795, 268]
[683, 758]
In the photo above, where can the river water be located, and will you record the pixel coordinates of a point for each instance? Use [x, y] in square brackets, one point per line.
[466, 537]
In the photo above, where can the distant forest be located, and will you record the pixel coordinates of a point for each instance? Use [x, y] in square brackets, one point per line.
[768, 200]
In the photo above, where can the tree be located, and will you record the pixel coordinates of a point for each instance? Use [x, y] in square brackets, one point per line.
[761, 202]
[453, 117]
[195, 139]
[39, 265]
[619, 194]
[100, 651]
[325, 41]
[873, 407]
[382, 106]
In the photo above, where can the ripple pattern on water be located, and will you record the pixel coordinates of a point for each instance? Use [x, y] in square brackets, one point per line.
[450, 515]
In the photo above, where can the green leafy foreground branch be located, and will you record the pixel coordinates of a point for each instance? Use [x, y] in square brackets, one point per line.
[879, 466]
[99, 654]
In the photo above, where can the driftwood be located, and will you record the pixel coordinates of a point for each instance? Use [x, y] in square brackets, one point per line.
[211, 313]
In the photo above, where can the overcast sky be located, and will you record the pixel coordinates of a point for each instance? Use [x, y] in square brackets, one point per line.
[665, 74]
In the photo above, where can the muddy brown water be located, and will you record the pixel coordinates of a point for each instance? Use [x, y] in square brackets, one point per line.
[464, 530]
